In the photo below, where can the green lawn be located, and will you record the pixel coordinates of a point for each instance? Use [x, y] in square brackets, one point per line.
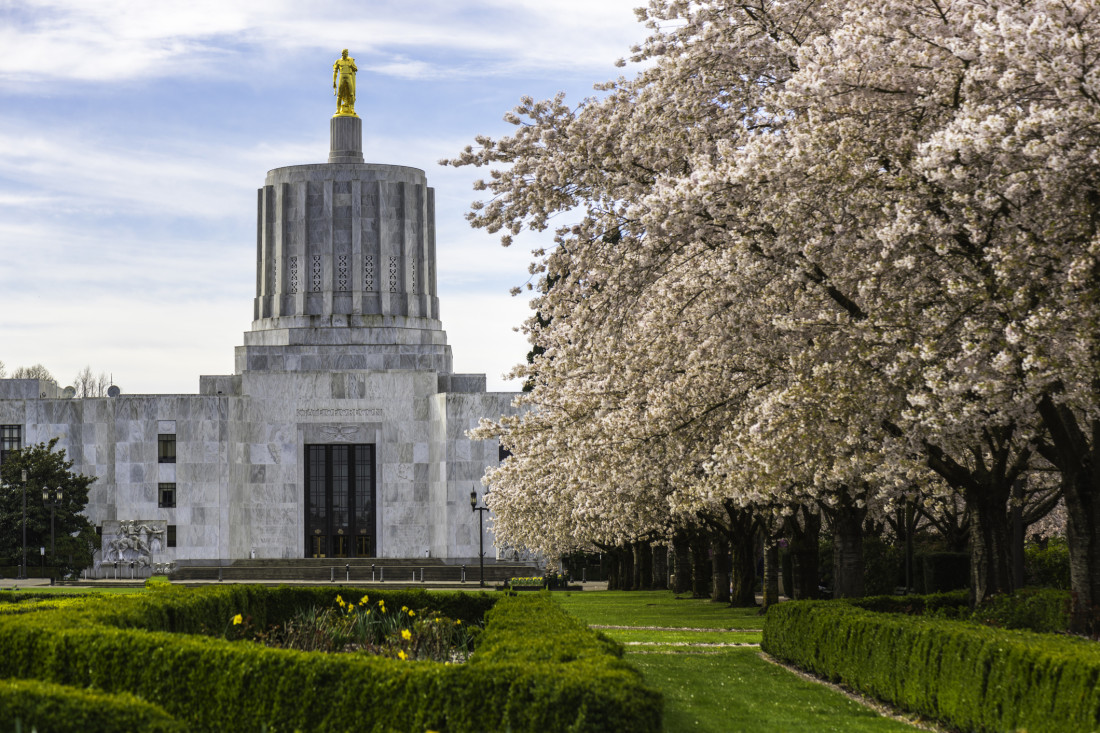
[736, 690]
[717, 690]
[69, 590]
[656, 608]
[690, 637]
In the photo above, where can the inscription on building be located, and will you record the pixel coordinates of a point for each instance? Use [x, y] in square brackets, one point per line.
[340, 412]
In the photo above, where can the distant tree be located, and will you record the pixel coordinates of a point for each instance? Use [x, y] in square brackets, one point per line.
[34, 372]
[75, 537]
[88, 384]
[1, 370]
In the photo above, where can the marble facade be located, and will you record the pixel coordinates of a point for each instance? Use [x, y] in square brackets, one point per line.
[346, 349]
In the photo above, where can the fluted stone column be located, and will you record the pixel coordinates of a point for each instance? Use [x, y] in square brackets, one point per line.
[346, 135]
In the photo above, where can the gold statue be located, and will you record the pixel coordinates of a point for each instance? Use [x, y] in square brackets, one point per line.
[343, 85]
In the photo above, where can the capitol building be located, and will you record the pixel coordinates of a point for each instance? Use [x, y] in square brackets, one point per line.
[342, 432]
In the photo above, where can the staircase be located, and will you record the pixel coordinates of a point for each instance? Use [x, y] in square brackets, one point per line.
[354, 570]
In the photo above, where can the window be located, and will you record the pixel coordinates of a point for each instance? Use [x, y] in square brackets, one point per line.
[166, 495]
[170, 536]
[11, 439]
[166, 448]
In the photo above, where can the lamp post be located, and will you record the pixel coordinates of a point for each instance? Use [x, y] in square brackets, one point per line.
[53, 498]
[23, 570]
[480, 533]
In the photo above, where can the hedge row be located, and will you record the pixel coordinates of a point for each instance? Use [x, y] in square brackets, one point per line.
[535, 669]
[49, 708]
[970, 676]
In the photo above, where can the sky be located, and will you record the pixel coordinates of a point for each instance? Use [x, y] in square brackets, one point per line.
[133, 137]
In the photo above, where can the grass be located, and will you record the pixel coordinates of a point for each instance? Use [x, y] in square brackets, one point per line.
[690, 637]
[710, 689]
[656, 608]
[736, 690]
[68, 590]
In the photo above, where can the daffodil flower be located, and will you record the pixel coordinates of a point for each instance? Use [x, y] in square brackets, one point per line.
[238, 620]
[402, 655]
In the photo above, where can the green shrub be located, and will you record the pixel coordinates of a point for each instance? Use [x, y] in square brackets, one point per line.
[157, 581]
[952, 604]
[883, 566]
[50, 708]
[535, 668]
[1045, 610]
[1047, 565]
[969, 676]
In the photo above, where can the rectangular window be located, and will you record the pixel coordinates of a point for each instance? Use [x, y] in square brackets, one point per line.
[166, 448]
[170, 536]
[166, 495]
[11, 439]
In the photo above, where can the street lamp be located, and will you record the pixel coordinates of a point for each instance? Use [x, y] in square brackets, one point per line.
[53, 498]
[23, 570]
[480, 533]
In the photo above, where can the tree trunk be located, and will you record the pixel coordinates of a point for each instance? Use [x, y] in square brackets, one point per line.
[990, 567]
[681, 547]
[804, 549]
[1076, 453]
[771, 573]
[848, 548]
[700, 566]
[643, 565]
[612, 568]
[626, 565]
[660, 567]
[743, 566]
[720, 568]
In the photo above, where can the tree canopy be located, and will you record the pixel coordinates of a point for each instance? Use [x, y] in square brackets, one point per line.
[74, 536]
[818, 251]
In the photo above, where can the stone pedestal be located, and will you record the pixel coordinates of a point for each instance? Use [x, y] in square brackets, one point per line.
[346, 135]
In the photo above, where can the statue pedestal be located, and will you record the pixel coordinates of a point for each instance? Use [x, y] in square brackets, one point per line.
[346, 140]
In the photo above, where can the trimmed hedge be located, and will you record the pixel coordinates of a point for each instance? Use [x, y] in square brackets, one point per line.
[535, 668]
[969, 676]
[50, 708]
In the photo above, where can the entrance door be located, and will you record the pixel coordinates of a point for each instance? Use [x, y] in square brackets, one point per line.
[340, 500]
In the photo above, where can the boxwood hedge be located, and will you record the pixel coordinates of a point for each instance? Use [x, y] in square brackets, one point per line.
[970, 676]
[535, 668]
[49, 708]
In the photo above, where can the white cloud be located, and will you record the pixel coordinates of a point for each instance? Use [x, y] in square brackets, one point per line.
[117, 40]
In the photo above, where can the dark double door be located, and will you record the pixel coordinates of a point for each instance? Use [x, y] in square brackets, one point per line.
[340, 500]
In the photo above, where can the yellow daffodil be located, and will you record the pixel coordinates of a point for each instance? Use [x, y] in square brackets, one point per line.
[363, 601]
[238, 620]
[404, 608]
[339, 601]
[402, 655]
[412, 613]
[406, 634]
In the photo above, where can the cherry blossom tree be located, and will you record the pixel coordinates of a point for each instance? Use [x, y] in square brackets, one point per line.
[816, 252]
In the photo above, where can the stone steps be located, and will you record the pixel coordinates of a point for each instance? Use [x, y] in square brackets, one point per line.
[402, 570]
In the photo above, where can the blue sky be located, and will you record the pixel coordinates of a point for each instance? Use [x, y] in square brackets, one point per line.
[133, 137]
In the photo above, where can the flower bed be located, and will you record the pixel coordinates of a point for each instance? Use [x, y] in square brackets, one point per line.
[534, 668]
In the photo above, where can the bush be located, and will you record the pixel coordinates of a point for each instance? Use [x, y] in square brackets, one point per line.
[1047, 565]
[535, 668]
[1045, 610]
[49, 708]
[883, 566]
[969, 676]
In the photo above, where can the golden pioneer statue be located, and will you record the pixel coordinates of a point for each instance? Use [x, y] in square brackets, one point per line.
[343, 85]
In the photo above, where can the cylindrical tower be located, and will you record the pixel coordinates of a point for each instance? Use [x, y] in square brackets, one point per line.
[345, 264]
